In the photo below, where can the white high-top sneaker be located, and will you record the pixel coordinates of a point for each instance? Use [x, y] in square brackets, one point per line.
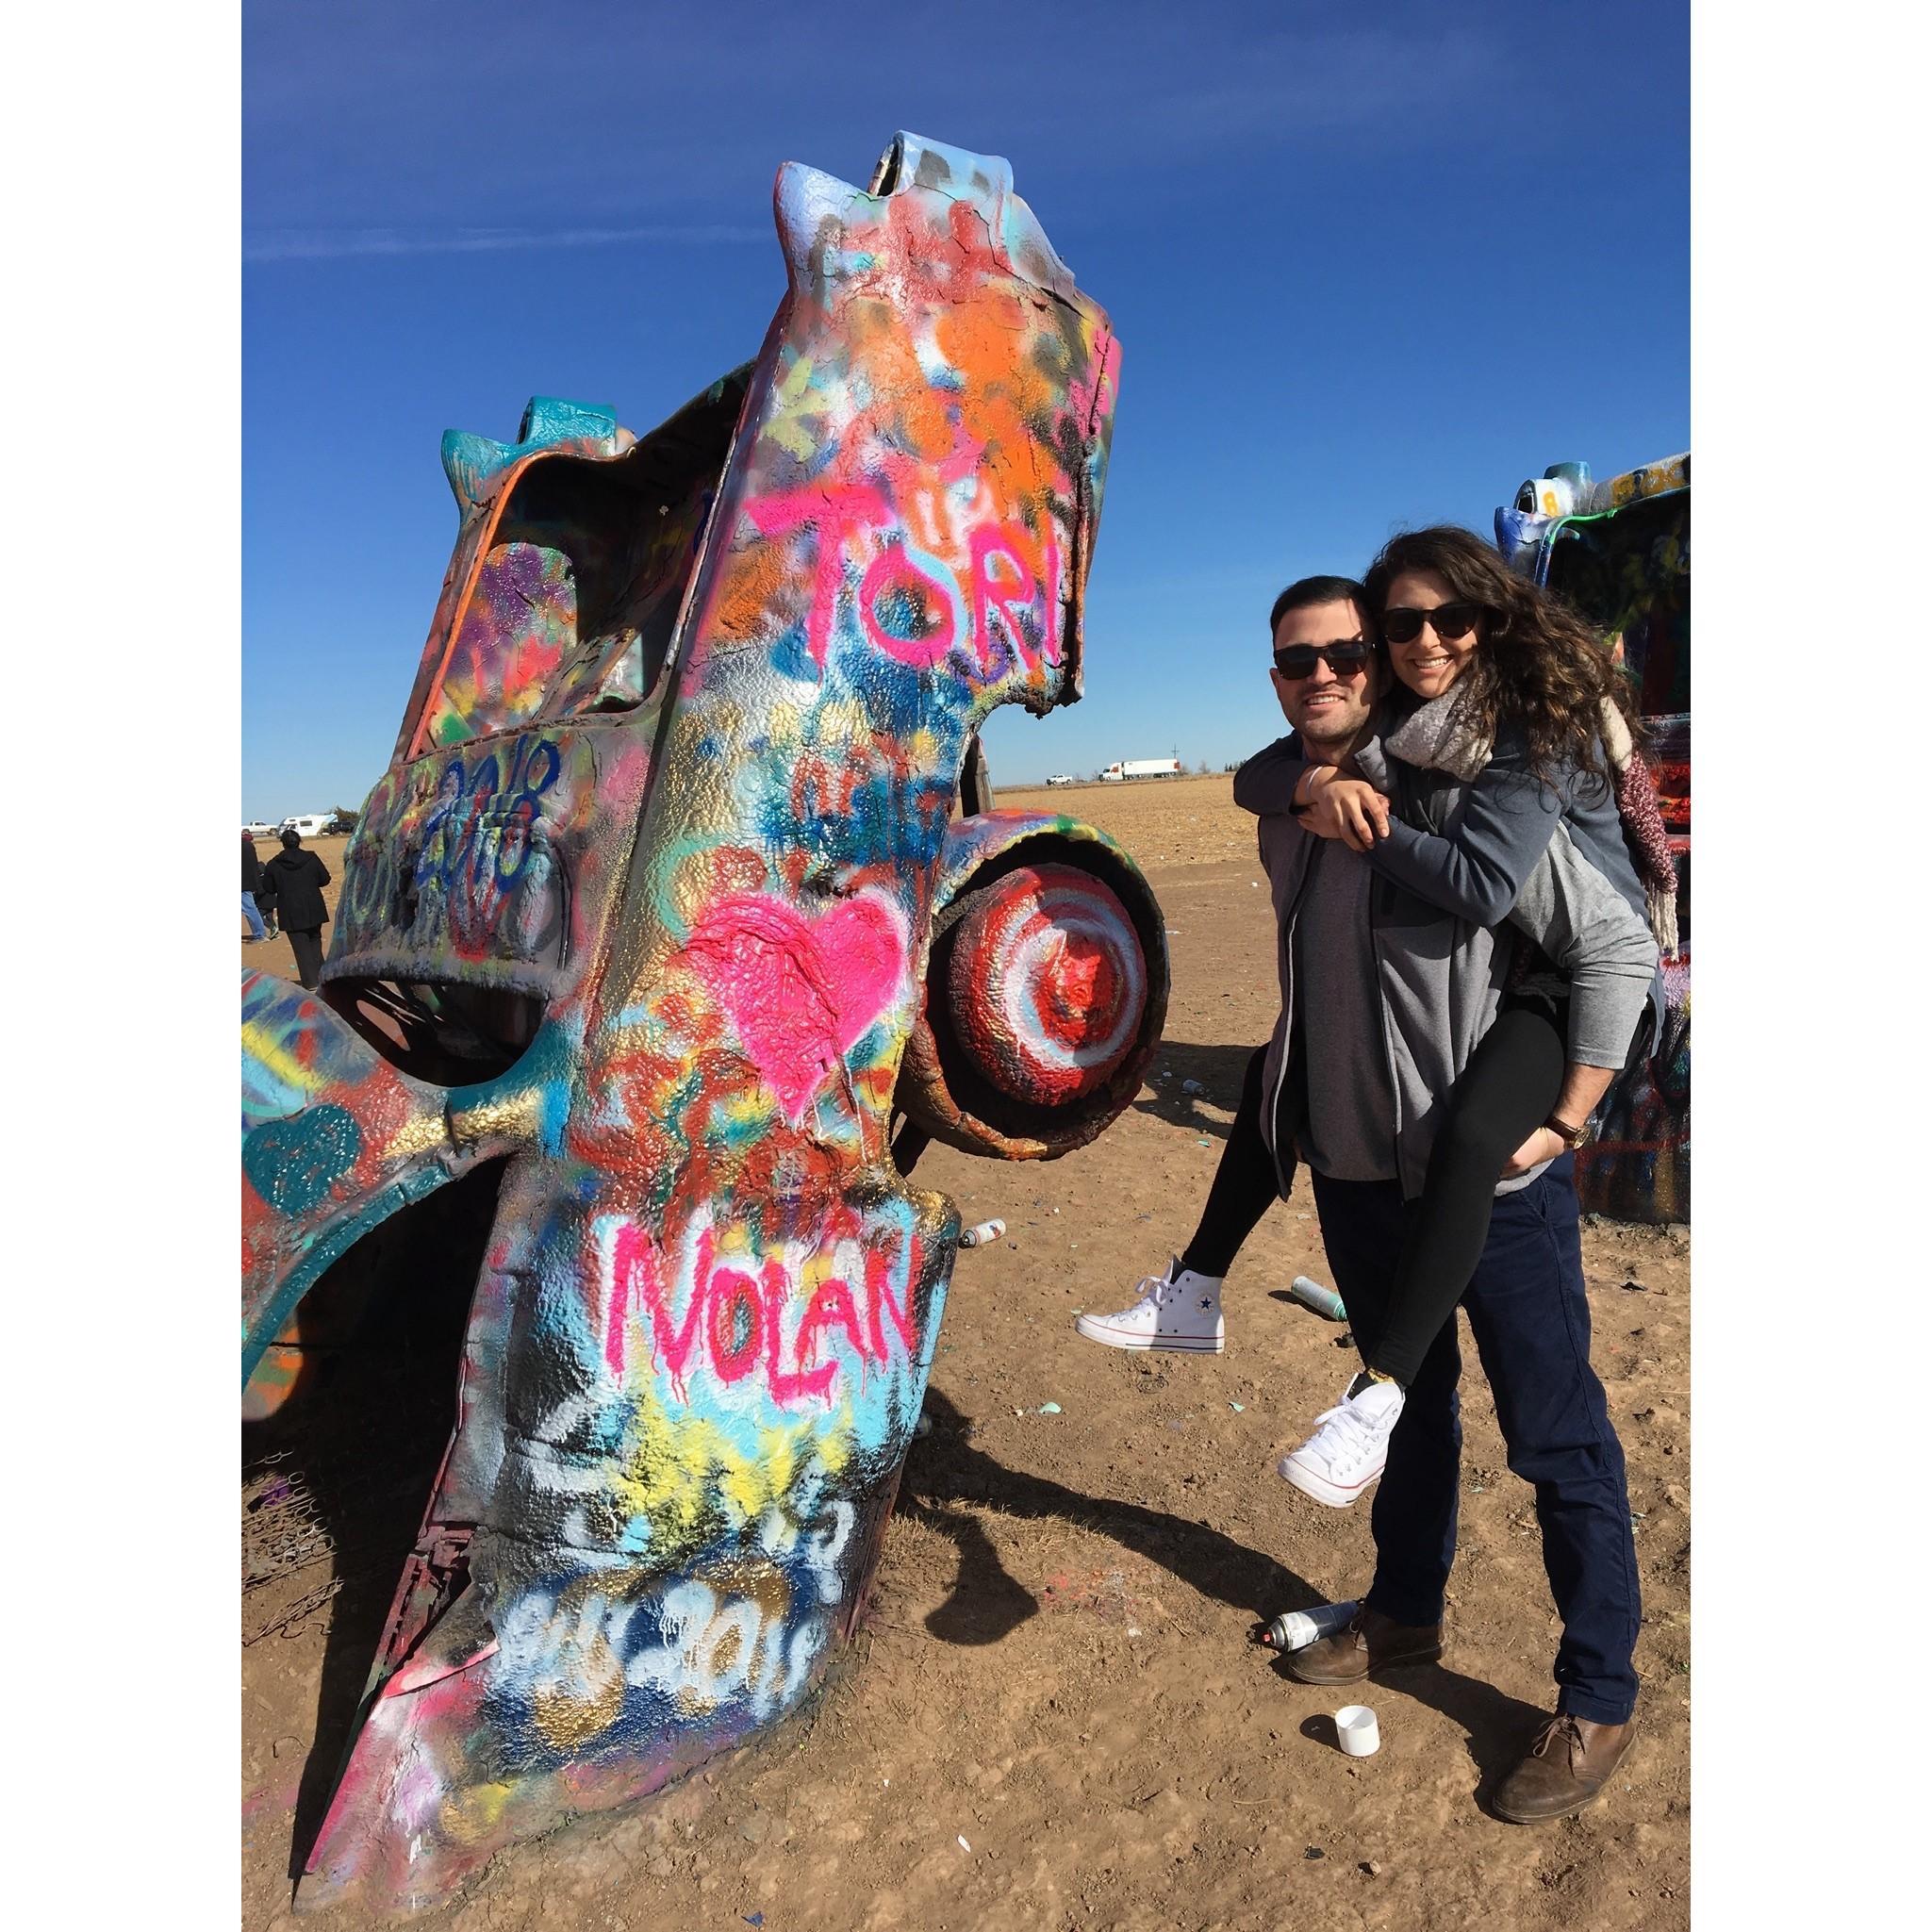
[1177, 1310]
[1349, 1446]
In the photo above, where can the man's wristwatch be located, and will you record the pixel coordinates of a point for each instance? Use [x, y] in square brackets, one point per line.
[1572, 1137]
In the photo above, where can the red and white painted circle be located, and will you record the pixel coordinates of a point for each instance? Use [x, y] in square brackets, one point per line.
[1047, 982]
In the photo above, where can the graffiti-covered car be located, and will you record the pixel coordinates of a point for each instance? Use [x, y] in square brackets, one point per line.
[1620, 551]
[683, 899]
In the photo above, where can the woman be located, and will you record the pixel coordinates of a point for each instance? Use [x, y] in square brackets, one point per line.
[296, 877]
[1506, 692]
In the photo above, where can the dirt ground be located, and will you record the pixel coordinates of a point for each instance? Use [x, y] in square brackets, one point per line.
[1056, 1715]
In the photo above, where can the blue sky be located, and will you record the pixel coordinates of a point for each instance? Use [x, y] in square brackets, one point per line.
[1370, 267]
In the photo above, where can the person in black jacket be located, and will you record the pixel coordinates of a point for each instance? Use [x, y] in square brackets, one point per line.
[251, 885]
[296, 877]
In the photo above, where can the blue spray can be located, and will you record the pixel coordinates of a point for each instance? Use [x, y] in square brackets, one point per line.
[1323, 1301]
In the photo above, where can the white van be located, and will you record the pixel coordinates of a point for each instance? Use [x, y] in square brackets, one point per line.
[311, 824]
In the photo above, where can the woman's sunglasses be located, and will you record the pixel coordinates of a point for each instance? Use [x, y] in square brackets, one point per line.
[1298, 661]
[1403, 626]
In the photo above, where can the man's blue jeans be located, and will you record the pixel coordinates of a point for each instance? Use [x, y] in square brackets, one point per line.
[1527, 1310]
[255, 929]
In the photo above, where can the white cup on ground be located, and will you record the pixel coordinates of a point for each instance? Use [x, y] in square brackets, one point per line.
[1355, 1726]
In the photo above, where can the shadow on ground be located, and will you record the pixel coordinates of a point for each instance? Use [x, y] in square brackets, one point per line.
[1497, 1725]
[364, 1435]
[987, 1603]
[1218, 1070]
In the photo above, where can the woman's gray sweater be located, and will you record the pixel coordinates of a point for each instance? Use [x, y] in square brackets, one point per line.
[1498, 843]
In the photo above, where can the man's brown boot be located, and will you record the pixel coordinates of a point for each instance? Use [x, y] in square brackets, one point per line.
[1567, 1763]
[1371, 1643]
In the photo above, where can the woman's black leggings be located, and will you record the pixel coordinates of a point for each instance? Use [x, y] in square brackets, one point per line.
[1244, 1184]
[1507, 1092]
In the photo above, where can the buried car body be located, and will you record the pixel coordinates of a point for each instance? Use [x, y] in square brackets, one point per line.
[682, 899]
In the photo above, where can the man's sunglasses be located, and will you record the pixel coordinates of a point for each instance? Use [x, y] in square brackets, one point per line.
[1403, 626]
[1298, 661]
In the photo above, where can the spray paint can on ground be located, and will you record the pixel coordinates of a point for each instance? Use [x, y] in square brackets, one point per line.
[1323, 1301]
[1297, 1630]
[986, 1231]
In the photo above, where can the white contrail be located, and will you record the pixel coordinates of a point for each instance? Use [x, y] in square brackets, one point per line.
[320, 244]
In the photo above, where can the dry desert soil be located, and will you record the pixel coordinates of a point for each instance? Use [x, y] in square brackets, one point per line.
[1056, 1714]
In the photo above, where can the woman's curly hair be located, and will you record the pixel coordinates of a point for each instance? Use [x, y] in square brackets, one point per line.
[1540, 666]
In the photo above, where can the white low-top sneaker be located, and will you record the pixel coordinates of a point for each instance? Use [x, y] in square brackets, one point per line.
[1177, 1310]
[1349, 1446]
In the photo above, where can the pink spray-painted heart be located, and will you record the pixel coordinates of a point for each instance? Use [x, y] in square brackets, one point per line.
[799, 991]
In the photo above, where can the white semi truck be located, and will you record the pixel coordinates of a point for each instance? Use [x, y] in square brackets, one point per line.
[1141, 767]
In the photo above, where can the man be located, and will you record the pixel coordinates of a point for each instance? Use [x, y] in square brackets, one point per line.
[1383, 1000]
[1181, 1309]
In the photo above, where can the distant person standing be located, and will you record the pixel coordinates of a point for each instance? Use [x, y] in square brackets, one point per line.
[251, 885]
[296, 877]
